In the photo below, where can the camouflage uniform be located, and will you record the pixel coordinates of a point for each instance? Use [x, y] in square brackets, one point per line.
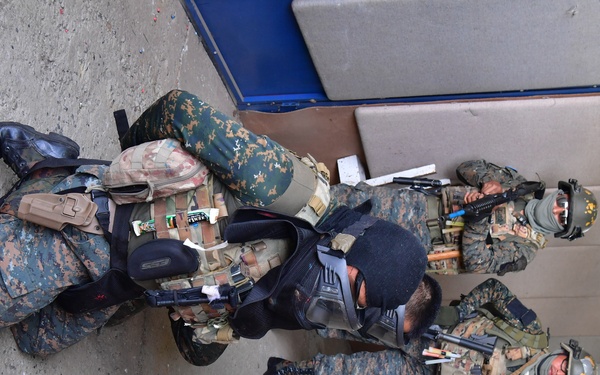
[410, 360]
[408, 208]
[37, 263]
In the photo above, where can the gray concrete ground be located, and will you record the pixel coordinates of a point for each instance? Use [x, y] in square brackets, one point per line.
[66, 66]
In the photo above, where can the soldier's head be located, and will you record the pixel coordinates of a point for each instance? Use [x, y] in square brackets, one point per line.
[397, 326]
[423, 307]
[567, 213]
[571, 359]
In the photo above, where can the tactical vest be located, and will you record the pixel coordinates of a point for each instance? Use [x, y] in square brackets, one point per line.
[278, 300]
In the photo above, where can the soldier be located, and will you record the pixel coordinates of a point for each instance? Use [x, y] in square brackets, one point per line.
[248, 170]
[489, 309]
[506, 241]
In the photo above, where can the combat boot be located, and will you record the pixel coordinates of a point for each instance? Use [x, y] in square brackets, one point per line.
[21, 146]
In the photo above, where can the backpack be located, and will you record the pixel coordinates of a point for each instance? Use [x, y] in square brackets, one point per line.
[153, 170]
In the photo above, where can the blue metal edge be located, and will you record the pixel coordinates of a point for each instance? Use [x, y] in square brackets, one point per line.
[279, 103]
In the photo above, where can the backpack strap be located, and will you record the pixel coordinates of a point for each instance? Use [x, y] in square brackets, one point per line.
[517, 335]
[122, 123]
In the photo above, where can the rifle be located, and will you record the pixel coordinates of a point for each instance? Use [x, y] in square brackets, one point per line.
[424, 185]
[485, 205]
[194, 296]
[482, 343]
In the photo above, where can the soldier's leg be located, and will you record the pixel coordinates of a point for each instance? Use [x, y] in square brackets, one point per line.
[383, 362]
[52, 329]
[495, 292]
[21, 146]
[256, 169]
[32, 258]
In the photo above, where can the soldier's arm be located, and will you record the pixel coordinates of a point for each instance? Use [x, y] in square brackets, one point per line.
[495, 292]
[479, 256]
[478, 172]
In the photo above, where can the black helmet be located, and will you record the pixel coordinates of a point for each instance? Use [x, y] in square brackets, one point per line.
[583, 210]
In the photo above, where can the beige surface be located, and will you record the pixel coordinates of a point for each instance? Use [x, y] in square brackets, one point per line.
[555, 137]
[389, 48]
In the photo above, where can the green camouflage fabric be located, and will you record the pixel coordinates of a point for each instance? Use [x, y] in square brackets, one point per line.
[408, 208]
[255, 168]
[37, 263]
[405, 207]
[410, 360]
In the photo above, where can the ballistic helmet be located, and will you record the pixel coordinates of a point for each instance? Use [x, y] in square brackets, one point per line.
[576, 361]
[582, 210]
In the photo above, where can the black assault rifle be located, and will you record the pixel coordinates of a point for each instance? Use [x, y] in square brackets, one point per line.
[482, 343]
[484, 206]
[193, 296]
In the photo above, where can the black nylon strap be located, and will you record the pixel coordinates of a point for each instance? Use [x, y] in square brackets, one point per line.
[121, 122]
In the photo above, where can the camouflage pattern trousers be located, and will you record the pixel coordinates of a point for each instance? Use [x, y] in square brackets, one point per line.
[36, 264]
[256, 169]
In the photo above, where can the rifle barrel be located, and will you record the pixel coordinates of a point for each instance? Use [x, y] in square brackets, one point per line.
[417, 181]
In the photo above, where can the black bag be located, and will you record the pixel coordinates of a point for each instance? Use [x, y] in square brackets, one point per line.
[162, 257]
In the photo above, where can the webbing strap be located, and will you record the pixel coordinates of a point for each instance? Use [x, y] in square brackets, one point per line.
[183, 226]
[160, 218]
[208, 230]
[344, 241]
[122, 123]
[524, 338]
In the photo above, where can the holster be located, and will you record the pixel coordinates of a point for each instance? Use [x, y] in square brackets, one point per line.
[55, 211]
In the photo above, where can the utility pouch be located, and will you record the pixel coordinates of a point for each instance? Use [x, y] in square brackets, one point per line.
[55, 211]
[163, 257]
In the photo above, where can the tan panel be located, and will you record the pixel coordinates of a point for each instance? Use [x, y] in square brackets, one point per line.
[389, 48]
[555, 138]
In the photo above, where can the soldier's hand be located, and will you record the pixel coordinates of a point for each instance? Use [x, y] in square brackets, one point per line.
[491, 187]
[473, 196]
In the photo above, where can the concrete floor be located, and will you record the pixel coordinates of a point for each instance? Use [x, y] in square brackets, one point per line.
[67, 65]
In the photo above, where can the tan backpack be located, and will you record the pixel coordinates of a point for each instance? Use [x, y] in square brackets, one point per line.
[153, 170]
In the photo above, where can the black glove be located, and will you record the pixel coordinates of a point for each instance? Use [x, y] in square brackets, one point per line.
[518, 265]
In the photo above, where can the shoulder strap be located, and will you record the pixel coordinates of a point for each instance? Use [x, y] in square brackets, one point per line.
[526, 339]
[121, 122]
